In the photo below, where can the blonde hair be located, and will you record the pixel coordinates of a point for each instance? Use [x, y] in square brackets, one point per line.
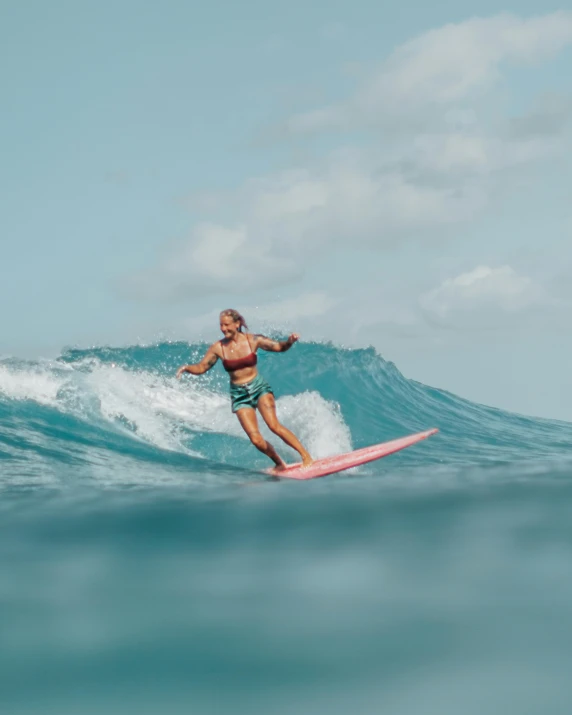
[236, 316]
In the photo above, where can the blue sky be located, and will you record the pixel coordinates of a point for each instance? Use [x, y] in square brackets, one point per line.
[395, 176]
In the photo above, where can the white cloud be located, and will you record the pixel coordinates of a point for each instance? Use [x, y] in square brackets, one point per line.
[356, 200]
[312, 304]
[486, 298]
[291, 193]
[418, 185]
[287, 219]
[478, 154]
[213, 252]
[485, 293]
[287, 314]
[212, 259]
[442, 67]
[549, 116]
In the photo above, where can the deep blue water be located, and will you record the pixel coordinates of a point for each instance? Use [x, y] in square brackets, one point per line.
[147, 566]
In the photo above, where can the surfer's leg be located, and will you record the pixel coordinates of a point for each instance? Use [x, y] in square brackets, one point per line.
[247, 418]
[267, 408]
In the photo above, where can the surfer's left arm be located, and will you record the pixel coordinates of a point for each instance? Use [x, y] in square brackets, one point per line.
[276, 346]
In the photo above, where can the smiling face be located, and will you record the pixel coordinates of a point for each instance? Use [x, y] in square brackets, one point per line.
[229, 327]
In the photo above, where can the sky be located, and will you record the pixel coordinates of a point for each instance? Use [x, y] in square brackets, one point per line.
[357, 172]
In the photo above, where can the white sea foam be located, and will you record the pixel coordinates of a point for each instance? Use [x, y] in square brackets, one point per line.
[36, 383]
[317, 422]
[164, 411]
[149, 406]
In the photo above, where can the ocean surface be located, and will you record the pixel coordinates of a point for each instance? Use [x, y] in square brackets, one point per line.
[147, 565]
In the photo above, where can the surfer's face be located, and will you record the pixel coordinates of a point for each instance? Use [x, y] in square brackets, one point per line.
[228, 326]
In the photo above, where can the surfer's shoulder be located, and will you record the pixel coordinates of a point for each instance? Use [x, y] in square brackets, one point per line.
[216, 348]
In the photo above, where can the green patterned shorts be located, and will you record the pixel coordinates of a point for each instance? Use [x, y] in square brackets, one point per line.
[248, 394]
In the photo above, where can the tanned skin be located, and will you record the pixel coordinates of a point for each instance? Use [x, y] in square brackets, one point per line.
[238, 345]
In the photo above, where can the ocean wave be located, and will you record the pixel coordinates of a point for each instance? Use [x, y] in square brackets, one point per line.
[92, 407]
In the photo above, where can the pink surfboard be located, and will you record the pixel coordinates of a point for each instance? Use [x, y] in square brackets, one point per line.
[339, 462]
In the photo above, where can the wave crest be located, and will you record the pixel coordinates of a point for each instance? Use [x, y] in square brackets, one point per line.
[99, 405]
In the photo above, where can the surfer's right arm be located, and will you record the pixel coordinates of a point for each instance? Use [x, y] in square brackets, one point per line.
[201, 367]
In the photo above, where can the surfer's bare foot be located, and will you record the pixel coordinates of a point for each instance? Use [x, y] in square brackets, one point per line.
[307, 461]
[279, 466]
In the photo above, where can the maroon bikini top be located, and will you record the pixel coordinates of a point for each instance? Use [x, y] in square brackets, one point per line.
[239, 363]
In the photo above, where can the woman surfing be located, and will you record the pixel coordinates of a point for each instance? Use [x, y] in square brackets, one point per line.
[248, 390]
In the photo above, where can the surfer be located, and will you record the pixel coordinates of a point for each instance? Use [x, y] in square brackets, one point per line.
[248, 390]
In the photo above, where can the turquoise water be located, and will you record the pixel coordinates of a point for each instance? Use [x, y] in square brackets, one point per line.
[146, 565]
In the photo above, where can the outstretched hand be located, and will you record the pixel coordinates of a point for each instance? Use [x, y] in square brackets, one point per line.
[293, 338]
[180, 371]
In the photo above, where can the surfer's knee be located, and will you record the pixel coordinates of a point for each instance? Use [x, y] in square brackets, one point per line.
[275, 426]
